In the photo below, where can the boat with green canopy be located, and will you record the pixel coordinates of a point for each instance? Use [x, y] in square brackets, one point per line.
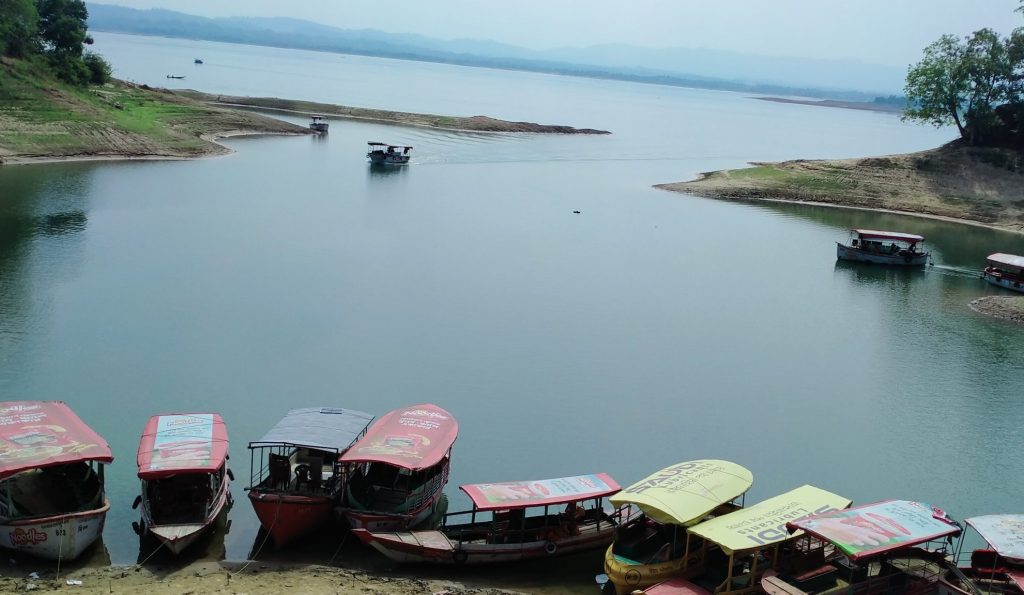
[654, 546]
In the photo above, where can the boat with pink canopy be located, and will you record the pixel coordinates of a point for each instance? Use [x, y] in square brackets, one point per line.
[182, 462]
[397, 471]
[52, 499]
[883, 247]
[998, 568]
[512, 521]
[1005, 270]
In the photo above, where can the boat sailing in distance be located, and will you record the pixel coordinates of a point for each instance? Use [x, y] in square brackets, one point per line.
[1005, 270]
[52, 501]
[185, 480]
[318, 124]
[883, 247]
[385, 154]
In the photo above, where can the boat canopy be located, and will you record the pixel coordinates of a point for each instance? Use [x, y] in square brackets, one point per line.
[764, 523]
[413, 438]
[1003, 532]
[379, 144]
[542, 492]
[182, 443]
[685, 493]
[874, 234]
[869, 530]
[320, 428]
[1006, 260]
[36, 434]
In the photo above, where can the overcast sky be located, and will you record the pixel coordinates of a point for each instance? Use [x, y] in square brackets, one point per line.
[889, 32]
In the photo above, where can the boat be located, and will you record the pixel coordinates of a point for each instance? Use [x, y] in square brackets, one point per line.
[999, 568]
[296, 477]
[398, 470]
[894, 546]
[52, 499]
[198, 61]
[385, 154]
[1005, 270]
[182, 462]
[171, 76]
[656, 546]
[883, 247]
[512, 521]
[318, 124]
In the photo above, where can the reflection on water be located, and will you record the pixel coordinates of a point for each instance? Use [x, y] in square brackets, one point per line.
[383, 170]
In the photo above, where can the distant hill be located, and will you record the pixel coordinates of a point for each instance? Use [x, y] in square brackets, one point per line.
[701, 68]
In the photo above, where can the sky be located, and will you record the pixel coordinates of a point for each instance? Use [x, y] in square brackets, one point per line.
[890, 32]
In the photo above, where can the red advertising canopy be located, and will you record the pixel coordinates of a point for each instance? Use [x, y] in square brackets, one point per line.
[37, 434]
[182, 443]
[414, 438]
[542, 492]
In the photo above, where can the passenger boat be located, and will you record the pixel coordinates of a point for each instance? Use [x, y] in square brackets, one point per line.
[895, 546]
[655, 546]
[171, 76]
[512, 521]
[182, 462]
[883, 247]
[385, 154]
[1005, 270]
[398, 470]
[198, 61]
[52, 501]
[296, 477]
[318, 124]
[999, 568]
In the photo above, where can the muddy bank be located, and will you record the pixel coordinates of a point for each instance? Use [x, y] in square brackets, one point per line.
[963, 184]
[457, 123]
[869, 106]
[1007, 307]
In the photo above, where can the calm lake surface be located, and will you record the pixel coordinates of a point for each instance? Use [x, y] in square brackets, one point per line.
[649, 329]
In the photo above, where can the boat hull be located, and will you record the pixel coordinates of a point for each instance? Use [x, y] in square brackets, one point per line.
[177, 537]
[289, 516]
[384, 522]
[903, 258]
[55, 537]
[1004, 282]
[392, 159]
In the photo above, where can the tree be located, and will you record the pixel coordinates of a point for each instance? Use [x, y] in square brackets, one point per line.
[62, 26]
[18, 20]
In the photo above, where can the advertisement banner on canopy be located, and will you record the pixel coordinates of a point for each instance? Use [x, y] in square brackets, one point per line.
[871, 529]
[176, 443]
[45, 433]
[520, 494]
[414, 437]
[764, 523]
[1004, 532]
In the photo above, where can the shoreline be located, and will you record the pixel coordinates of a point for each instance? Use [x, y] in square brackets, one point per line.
[1004, 307]
[865, 106]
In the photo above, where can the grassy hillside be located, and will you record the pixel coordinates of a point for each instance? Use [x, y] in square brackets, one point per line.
[41, 117]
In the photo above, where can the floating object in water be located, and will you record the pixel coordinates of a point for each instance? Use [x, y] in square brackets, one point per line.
[172, 76]
[198, 61]
[380, 153]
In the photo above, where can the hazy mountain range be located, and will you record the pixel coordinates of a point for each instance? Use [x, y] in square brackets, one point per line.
[705, 68]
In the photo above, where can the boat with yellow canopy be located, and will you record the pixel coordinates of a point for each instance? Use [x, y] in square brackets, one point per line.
[654, 546]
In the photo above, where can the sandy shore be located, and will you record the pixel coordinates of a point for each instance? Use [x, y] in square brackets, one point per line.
[869, 106]
[1007, 307]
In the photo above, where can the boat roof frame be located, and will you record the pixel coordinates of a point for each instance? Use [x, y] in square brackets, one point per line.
[278, 435]
[602, 486]
[380, 144]
[875, 234]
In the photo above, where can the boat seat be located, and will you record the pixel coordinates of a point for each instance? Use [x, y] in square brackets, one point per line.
[814, 573]
[988, 561]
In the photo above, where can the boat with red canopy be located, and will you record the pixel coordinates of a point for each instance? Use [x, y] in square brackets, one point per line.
[883, 247]
[296, 475]
[895, 546]
[1005, 270]
[182, 462]
[398, 470]
[52, 500]
[512, 521]
[999, 568]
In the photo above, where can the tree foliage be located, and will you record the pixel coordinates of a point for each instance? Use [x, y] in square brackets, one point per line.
[57, 30]
[18, 23]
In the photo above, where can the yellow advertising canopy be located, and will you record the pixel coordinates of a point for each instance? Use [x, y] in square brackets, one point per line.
[685, 493]
[764, 523]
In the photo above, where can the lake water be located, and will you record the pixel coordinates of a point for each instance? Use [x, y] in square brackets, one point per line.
[649, 329]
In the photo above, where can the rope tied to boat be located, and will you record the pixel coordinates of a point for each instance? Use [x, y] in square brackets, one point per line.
[256, 554]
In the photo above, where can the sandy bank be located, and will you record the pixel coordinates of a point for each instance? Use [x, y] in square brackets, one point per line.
[869, 106]
[962, 184]
[1007, 307]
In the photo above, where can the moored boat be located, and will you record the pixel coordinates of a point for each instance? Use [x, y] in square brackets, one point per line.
[385, 154]
[52, 499]
[182, 463]
[1005, 270]
[999, 568]
[398, 470]
[883, 247]
[319, 124]
[512, 521]
[296, 477]
[656, 546]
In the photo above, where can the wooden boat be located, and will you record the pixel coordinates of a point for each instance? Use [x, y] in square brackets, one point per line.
[198, 61]
[656, 545]
[895, 546]
[319, 124]
[883, 247]
[171, 76]
[296, 478]
[182, 462]
[999, 568]
[501, 528]
[1005, 270]
[398, 470]
[52, 501]
[385, 154]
